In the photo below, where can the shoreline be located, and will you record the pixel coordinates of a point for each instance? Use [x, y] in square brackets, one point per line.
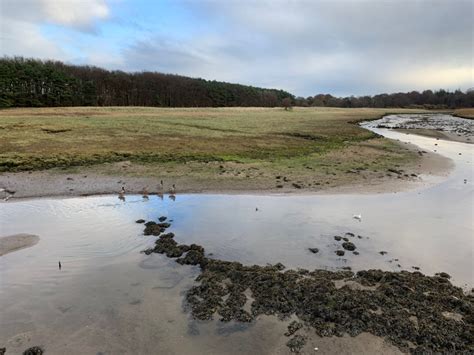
[58, 184]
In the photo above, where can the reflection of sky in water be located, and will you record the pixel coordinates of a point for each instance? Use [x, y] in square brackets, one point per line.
[431, 228]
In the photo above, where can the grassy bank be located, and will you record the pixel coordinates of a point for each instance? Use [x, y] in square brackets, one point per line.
[464, 113]
[306, 145]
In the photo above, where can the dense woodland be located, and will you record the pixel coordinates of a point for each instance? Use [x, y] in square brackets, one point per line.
[32, 82]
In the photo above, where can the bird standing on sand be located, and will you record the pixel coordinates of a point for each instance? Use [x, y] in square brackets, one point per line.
[145, 193]
[59, 265]
[173, 190]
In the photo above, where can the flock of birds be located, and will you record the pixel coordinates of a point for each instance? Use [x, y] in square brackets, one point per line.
[145, 193]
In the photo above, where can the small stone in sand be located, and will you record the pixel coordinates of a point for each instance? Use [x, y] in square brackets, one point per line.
[339, 252]
[313, 250]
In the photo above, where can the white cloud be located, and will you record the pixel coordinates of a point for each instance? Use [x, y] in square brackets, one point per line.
[75, 13]
[32, 43]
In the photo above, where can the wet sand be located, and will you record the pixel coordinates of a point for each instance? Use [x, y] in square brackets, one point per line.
[17, 242]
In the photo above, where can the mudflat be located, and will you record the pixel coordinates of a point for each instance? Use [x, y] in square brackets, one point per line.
[17, 242]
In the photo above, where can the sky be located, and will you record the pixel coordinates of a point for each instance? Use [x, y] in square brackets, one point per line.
[341, 47]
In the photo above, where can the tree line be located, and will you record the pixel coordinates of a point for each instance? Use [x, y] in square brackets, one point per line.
[28, 82]
[427, 99]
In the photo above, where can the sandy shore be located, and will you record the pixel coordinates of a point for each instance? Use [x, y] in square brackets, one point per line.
[91, 181]
[17, 242]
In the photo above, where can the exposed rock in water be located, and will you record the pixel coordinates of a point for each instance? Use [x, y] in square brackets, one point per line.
[338, 238]
[293, 327]
[349, 246]
[349, 234]
[313, 250]
[296, 343]
[162, 218]
[339, 252]
[382, 252]
[383, 305]
[443, 274]
[140, 221]
[35, 350]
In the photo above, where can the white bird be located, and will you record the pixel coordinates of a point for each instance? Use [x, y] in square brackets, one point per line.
[358, 217]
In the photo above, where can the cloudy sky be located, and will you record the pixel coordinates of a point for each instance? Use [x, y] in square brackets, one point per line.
[342, 47]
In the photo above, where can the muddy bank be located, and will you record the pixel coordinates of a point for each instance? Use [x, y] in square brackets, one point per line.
[58, 183]
[17, 242]
[414, 312]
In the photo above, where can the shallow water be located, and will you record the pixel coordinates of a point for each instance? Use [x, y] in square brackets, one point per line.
[110, 298]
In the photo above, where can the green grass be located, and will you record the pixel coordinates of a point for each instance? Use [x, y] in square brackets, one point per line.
[301, 142]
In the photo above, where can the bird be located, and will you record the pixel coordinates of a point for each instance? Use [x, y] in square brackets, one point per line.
[145, 193]
[122, 193]
[173, 189]
[160, 186]
[358, 217]
[59, 265]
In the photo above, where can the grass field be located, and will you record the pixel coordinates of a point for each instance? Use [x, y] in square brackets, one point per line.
[308, 145]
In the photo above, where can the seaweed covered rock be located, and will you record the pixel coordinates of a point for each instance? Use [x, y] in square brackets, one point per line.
[296, 343]
[349, 246]
[379, 302]
[35, 350]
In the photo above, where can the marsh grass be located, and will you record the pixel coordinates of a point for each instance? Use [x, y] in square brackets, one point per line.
[304, 141]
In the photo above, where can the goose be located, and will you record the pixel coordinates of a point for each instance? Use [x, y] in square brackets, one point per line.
[173, 190]
[358, 217]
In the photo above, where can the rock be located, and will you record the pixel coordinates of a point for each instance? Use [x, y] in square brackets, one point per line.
[345, 239]
[296, 186]
[279, 186]
[140, 221]
[313, 250]
[355, 252]
[348, 246]
[162, 218]
[35, 350]
[2, 351]
[296, 343]
[382, 252]
[293, 327]
[443, 275]
[349, 234]
[337, 237]
[339, 252]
